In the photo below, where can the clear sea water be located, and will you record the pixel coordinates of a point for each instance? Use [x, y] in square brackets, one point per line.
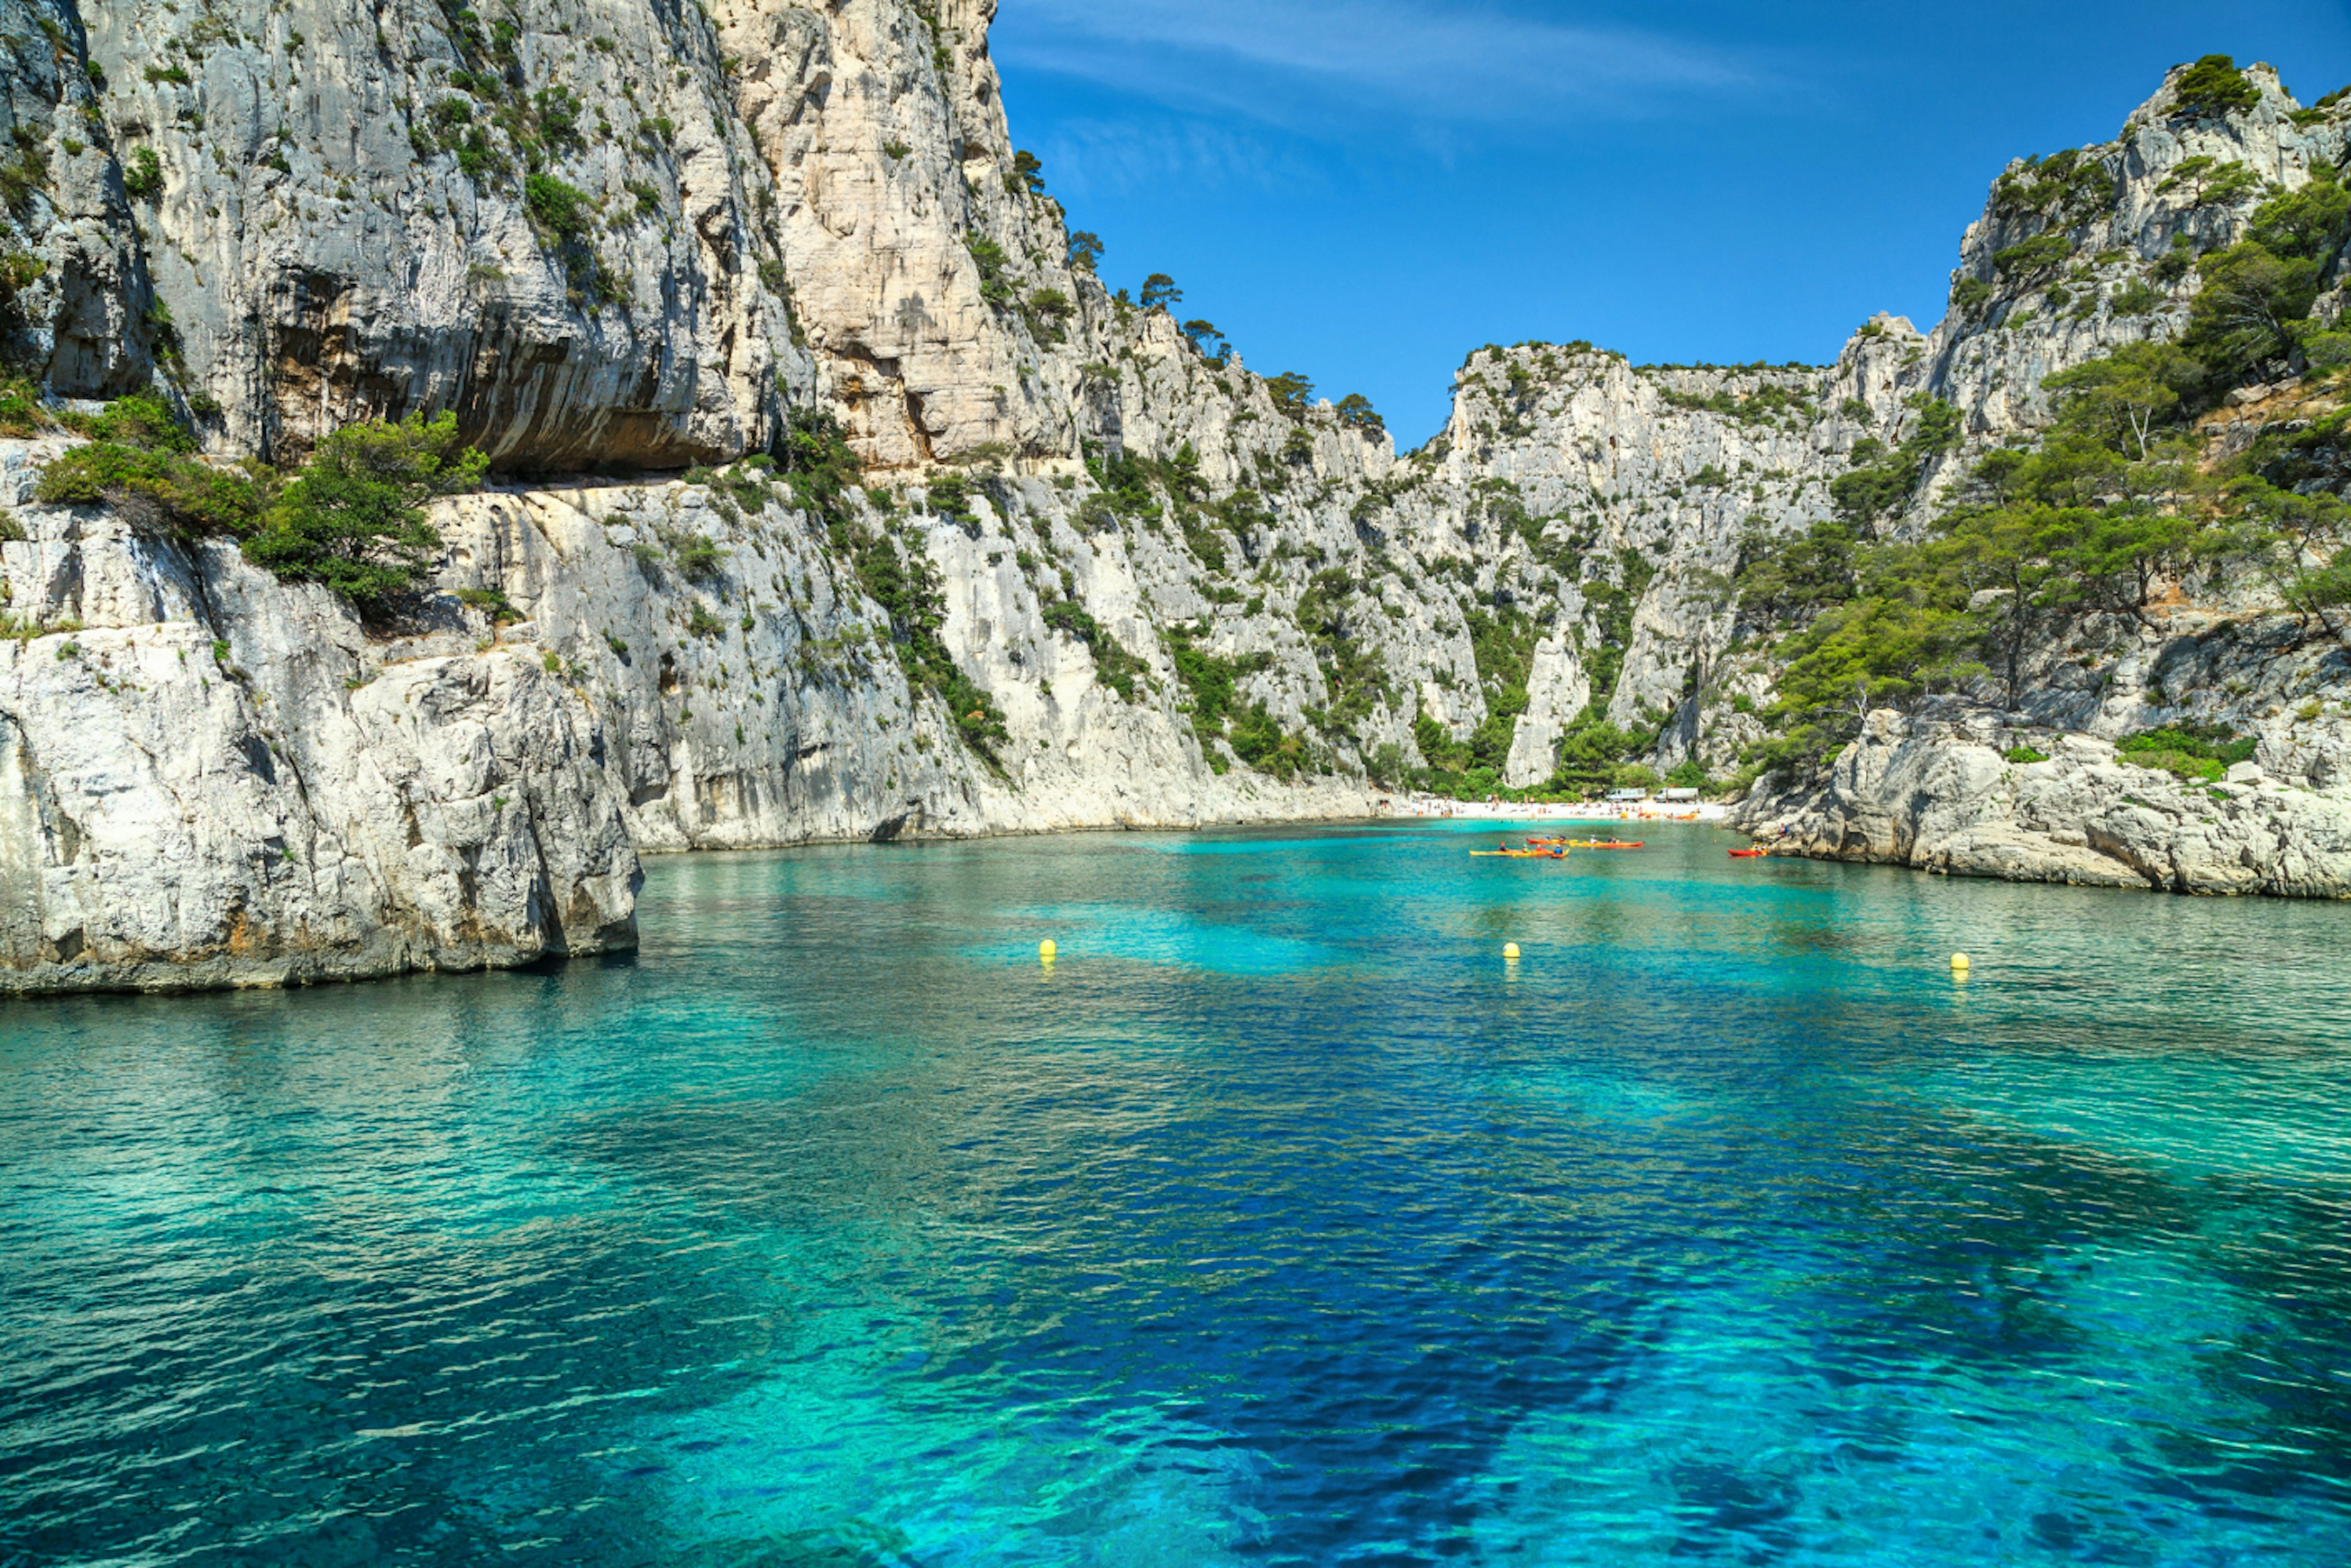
[1280, 1221]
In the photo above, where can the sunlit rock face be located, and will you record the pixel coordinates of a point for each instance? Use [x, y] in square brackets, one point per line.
[552, 224]
[1975, 798]
[1090, 575]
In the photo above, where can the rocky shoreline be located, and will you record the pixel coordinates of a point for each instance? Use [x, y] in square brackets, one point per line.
[1961, 797]
[835, 496]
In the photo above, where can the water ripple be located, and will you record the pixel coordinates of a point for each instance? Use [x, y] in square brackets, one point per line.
[1278, 1222]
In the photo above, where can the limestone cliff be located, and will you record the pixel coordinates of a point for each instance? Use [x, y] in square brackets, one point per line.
[212, 779]
[1089, 574]
[75, 308]
[545, 217]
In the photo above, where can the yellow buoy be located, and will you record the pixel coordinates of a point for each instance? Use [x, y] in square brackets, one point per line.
[1959, 963]
[1509, 950]
[1046, 950]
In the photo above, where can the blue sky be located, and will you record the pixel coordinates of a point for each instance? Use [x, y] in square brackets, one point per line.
[1366, 189]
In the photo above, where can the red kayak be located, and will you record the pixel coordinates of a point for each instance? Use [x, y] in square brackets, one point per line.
[1750, 854]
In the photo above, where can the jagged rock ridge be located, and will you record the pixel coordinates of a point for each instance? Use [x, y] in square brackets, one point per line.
[613, 235]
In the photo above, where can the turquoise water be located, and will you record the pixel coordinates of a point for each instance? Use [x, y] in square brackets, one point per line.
[1280, 1221]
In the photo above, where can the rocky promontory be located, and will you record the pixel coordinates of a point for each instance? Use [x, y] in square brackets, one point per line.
[1975, 797]
[833, 495]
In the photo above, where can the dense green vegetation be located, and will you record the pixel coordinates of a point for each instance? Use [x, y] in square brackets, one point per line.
[1134, 491]
[1765, 403]
[2213, 86]
[1291, 391]
[2193, 752]
[822, 474]
[1210, 344]
[142, 175]
[157, 484]
[2116, 502]
[1212, 687]
[989, 258]
[2064, 188]
[2037, 254]
[947, 496]
[1047, 312]
[350, 519]
[353, 518]
[1595, 755]
[2208, 182]
[1354, 676]
[1882, 479]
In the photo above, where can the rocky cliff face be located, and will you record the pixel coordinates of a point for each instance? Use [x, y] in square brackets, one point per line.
[1090, 576]
[1971, 796]
[1567, 475]
[212, 779]
[548, 218]
[75, 307]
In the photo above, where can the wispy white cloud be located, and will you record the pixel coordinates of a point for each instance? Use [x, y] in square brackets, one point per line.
[1162, 152]
[1310, 65]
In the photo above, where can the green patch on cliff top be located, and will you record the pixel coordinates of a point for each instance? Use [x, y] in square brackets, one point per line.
[2214, 87]
[2203, 752]
[353, 518]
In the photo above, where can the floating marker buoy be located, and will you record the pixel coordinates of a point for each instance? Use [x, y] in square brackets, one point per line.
[1509, 950]
[1959, 963]
[1046, 950]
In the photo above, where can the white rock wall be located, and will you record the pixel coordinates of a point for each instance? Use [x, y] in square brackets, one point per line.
[1944, 796]
[208, 778]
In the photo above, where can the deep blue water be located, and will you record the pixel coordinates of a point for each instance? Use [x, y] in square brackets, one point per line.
[1278, 1222]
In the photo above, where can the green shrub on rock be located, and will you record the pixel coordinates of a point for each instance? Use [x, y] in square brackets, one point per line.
[1291, 392]
[2213, 88]
[142, 175]
[2033, 255]
[142, 419]
[140, 460]
[561, 211]
[353, 519]
[2188, 752]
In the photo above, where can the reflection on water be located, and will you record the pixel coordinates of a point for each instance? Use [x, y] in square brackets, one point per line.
[1275, 1222]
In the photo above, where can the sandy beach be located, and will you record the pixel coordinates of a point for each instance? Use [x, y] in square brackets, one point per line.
[1575, 812]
